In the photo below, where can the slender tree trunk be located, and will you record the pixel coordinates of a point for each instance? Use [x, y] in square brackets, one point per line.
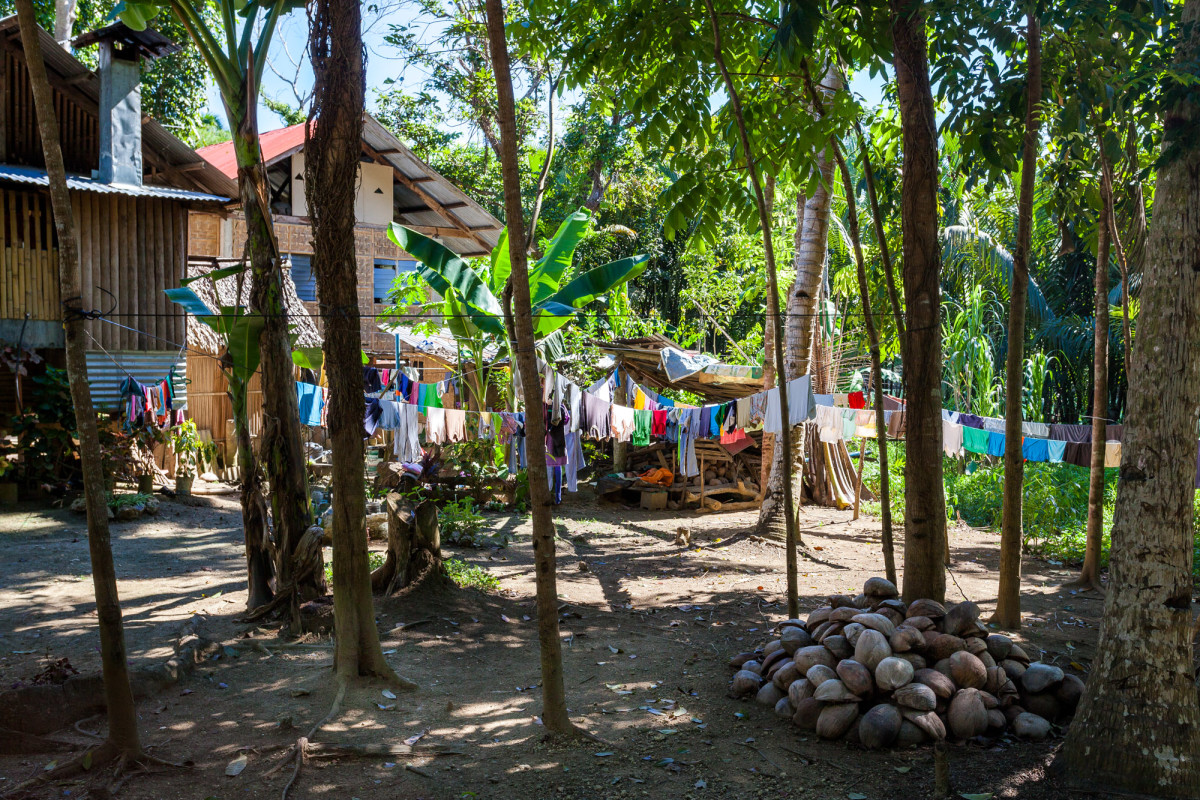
[885, 254]
[554, 703]
[260, 568]
[764, 217]
[122, 738]
[925, 502]
[1089, 576]
[768, 439]
[1008, 603]
[333, 152]
[812, 236]
[1138, 727]
[864, 294]
[280, 449]
[1123, 262]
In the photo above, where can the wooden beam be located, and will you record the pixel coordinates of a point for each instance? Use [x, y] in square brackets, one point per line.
[434, 204]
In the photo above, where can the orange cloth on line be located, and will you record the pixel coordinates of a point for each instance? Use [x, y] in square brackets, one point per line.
[658, 475]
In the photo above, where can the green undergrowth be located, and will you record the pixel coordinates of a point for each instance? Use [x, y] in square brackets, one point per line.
[468, 575]
[464, 574]
[1054, 510]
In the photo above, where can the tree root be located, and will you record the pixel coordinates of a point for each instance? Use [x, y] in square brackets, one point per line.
[90, 761]
[301, 748]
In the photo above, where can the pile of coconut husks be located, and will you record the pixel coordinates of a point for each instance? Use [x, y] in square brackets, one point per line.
[878, 671]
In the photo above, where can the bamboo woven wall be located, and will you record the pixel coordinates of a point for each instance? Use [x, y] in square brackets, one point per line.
[28, 257]
[209, 404]
[135, 248]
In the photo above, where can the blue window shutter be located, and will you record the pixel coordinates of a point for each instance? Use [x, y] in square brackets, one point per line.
[302, 276]
[386, 270]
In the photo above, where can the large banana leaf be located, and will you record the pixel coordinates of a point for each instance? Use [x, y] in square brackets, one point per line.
[450, 275]
[501, 265]
[547, 274]
[557, 310]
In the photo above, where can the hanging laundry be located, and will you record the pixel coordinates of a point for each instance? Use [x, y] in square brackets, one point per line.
[1039, 430]
[896, 427]
[829, 424]
[995, 445]
[575, 461]
[841, 399]
[864, 424]
[1071, 433]
[952, 438]
[970, 421]
[575, 407]
[1113, 433]
[311, 399]
[1055, 450]
[856, 400]
[1079, 453]
[622, 422]
[371, 414]
[993, 425]
[435, 425]
[456, 425]
[408, 446]
[371, 381]
[773, 419]
[390, 414]
[1035, 449]
[597, 423]
[658, 423]
[1112, 454]
[823, 399]
[975, 440]
[801, 404]
[849, 422]
[892, 403]
[642, 421]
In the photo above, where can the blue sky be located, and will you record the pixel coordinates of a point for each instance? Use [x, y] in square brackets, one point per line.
[383, 63]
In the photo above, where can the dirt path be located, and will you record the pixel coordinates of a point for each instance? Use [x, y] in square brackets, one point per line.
[648, 627]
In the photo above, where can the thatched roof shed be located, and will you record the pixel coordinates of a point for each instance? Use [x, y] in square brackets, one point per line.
[235, 291]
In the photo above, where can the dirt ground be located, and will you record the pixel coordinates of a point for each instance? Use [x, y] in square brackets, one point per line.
[648, 627]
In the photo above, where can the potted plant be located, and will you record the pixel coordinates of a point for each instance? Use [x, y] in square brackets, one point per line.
[191, 453]
[145, 439]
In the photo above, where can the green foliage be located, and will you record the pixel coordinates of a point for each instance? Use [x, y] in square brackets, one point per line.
[461, 525]
[45, 431]
[116, 501]
[191, 452]
[417, 120]
[207, 130]
[374, 561]
[288, 113]
[470, 576]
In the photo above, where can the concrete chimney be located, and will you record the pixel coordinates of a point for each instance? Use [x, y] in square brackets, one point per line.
[120, 66]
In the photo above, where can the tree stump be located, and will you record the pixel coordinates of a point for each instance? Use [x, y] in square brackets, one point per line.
[414, 545]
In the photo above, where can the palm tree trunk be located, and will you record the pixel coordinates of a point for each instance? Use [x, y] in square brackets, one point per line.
[812, 234]
[1138, 727]
[122, 740]
[1008, 603]
[1089, 576]
[280, 449]
[333, 151]
[925, 502]
[554, 703]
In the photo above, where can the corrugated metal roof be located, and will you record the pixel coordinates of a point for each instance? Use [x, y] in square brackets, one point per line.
[441, 345]
[273, 144]
[157, 142]
[38, 177]
[106, 371]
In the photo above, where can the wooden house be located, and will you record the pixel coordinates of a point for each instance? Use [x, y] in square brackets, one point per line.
[132, 186]
[394, 185]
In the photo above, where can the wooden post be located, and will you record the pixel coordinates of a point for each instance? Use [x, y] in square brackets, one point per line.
[862, 454]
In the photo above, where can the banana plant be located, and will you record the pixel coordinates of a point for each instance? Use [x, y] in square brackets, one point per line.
[469, 293]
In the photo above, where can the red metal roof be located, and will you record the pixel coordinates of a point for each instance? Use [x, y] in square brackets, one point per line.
[273, 144]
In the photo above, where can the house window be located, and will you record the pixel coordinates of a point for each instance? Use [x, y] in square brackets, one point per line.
[386, 271]
[302, 276]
